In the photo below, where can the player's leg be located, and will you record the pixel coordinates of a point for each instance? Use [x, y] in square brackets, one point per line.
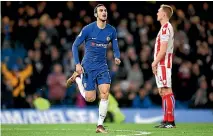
[88, 81]
[104, 81]
[170, 106]
[165, 117]
[80, 85]
[170, 100]
[163, 79]
[163, 108]
[103, 106]
[160, 81]
[84, 84]
[159, 85]
[78, 79]
[72, 79]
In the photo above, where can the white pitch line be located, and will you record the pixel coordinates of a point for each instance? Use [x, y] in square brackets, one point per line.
[136, 131]
[139, 133]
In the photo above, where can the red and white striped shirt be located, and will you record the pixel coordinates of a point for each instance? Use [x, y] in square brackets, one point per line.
[166, 33]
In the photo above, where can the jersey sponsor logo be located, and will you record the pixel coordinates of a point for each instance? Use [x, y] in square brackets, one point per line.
[102, 45]
[99, 44]
[164, 37]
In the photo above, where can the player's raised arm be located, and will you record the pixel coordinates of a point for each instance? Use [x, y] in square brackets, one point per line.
[115, 47]
[78, 41]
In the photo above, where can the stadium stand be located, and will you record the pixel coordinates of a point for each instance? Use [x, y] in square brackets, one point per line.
[41, 34]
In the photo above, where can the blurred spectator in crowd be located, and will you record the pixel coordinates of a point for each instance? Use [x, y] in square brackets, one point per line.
[145, 63]
[6, 94]
[68, 63]
[49, 28]
[115, 14]
[55, 56]
[142, 100]
[134, 75]
[15, 80]
[57, 85]
[155, 98]
[210, 101]
[40, 71]
[200, 98]
[6, 28]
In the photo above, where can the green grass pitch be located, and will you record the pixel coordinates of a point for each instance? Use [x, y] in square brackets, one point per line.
[183, 129]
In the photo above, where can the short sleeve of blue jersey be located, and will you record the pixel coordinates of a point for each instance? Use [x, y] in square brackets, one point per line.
[78, 41]
[115, 44]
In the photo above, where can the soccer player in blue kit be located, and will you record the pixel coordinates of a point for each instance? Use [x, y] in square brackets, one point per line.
[93, 70]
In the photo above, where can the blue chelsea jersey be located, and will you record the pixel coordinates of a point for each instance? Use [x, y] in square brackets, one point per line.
[96, 42]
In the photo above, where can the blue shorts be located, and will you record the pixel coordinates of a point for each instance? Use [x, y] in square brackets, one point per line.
[90, 79]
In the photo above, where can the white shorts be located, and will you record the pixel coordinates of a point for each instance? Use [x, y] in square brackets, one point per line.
[163, 77]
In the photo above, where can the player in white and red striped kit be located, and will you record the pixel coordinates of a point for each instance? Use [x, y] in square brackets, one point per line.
[162, 65]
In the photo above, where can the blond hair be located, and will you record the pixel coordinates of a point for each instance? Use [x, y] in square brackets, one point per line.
[168, 10]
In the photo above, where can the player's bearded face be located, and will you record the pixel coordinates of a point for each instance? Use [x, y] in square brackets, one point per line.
[160, 14]
[102, 13]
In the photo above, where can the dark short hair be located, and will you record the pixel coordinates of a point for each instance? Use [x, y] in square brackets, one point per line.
[95, 10]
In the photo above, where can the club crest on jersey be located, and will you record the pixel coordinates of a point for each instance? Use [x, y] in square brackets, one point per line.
[108, 38]
[164, 82]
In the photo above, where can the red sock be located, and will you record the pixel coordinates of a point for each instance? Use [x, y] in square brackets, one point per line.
[165, 117]
[170, 106]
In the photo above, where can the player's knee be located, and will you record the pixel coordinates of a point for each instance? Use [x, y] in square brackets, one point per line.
[166, 90]
[105, 95]
[90, 98]
[161, 94]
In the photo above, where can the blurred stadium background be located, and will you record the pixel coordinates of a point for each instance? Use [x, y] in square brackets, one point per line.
[36, 41]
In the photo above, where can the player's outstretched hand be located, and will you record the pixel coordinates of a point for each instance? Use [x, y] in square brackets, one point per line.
[117, 61]
[79, 69]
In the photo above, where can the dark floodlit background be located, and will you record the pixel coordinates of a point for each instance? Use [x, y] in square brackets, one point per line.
[36, 41]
